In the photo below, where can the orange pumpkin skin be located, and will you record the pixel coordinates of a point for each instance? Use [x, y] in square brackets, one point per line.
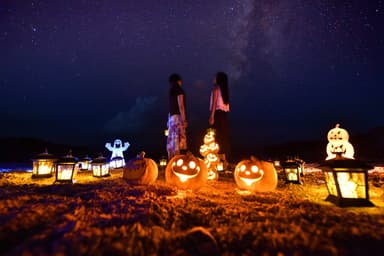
[186, 172]
[140, 170]
[256, 175]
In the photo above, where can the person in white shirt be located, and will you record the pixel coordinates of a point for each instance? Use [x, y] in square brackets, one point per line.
[219, 110]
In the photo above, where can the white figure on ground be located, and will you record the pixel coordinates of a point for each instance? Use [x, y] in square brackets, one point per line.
[117, 157]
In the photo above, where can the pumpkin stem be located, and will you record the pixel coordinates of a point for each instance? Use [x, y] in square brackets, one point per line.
[253, 158]
[141, 154]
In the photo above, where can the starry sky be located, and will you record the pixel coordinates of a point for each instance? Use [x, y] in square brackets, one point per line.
[87, 71]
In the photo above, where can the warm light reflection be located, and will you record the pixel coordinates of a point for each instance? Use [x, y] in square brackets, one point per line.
[64, 172]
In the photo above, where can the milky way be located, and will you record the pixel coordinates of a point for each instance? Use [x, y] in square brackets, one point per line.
[296, 67]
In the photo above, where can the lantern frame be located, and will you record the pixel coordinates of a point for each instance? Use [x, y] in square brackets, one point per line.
[340, 190]
[100, 167]
[65, 165]
[85, 164]
[43, 160]
[287, 168]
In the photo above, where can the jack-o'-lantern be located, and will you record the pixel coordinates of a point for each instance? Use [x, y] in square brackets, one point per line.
[255, 175]
[209, 136]
[186, 172]
[213, 174]
[338, 143]
[140, 170]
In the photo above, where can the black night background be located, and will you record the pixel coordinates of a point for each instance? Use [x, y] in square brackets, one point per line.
[87, 72]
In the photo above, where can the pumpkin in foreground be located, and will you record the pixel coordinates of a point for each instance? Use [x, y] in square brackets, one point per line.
[186, 172]
[141, 170]
[255, 175]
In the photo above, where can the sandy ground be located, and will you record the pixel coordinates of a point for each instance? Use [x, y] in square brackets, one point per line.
[107, 216]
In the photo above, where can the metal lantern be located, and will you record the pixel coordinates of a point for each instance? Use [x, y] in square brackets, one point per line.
[43, 165]
[163, 162]
[100, 167]
[85, 164]
[347, 181]
[66, 168]
[292, 171]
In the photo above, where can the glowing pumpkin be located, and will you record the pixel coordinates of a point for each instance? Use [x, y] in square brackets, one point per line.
[141, 170]
[338, 143]
[255, 175]
[186, 172]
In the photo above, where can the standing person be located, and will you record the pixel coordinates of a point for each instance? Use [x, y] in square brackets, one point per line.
[177, 121]
[219, 110]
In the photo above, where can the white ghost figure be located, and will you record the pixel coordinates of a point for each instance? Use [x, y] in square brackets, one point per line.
[117, 158]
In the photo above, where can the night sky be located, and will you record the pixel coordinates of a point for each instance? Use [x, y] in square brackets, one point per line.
[87, 71]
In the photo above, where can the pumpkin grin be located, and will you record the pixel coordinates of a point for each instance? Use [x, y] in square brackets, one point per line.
[184, 172]
[250, 176]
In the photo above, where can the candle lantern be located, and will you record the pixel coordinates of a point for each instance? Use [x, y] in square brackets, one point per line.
[100, 167]
[347, 181]
[163, 162]
[292, 171]
[85, 164]
[66, 168]
[166, 132]
[43, 165]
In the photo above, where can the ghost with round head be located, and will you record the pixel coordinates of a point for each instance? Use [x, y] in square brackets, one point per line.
[338, 143]
[117, 157]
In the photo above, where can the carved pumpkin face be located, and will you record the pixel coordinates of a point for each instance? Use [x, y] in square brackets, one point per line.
[209, 138]
[140, 170]
[338, 143]
[255, 175]
[186, 172]
[338, 134]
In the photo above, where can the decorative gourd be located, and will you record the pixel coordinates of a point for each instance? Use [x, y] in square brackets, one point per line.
[255, 175]
[141, 170]
[338, 143]
[186, 172]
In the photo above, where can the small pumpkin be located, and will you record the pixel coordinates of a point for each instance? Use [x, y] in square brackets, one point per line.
[141, 170]
[186, 172]
[255, 175]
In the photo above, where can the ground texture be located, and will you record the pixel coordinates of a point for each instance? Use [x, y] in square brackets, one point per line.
[107, 216]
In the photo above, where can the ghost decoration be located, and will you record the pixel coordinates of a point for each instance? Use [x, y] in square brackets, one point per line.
[117, 158]
[338, 143]
[141, 170]
[186, 172]
[255, 175]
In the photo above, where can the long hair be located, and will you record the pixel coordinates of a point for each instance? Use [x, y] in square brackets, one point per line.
[222, 81]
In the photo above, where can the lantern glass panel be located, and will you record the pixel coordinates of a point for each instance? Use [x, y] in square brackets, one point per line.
[292, 174]
[331, 184]
[352, 185]
[100, 170]
[42, 167]
[65, 171]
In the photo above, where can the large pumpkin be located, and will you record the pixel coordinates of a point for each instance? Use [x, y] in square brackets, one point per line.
[255, 175]
[186, 172]
[140, 170]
